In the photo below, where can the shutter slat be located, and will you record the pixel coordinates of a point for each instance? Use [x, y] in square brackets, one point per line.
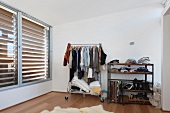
[6, 18]
[32, 44]
[6, 39]
[36, 78]
[6, 63]
[32, 24]
[6, 58]
[28, 27]
[31, 59]
[31, 71]
[7, 28]
[27, 35]
[34, 41]
[32, 75]
[5, 53]
[3, 48]
[5, 21]
[7, 78]
[33, 32]
[27, 55]
[1, 43]
[36, 52]
[9, 73]
[6, 68]
[7, 83]
[33, 63]
[28, 47]
[33, 67]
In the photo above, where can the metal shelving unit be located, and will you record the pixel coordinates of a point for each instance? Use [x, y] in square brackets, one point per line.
[120, 96]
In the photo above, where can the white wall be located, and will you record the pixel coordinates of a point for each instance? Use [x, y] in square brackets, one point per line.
[166, 63]
[115, 32]
[14, 96]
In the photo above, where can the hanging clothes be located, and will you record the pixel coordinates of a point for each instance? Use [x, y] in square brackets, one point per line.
[96, 59]
[86, 56]
[70, 59]
[74, 59]
[103, 57]
[84, 62]
[80, 72]
[82, 59]
[72, 71]
[66, 55]
[90, 73]
[79, 59]
[91, 57]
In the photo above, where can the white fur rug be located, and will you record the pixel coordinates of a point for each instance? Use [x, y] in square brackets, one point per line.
[93, 109]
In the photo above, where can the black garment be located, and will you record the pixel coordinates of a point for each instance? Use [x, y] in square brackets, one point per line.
[74, 59]
[96, 60]
[80, 74]
[91, 57]
[103, 57]
[71, 74]
[79, 60]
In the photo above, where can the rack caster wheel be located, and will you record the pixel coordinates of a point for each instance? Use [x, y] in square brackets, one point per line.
[101, 100]
[66, 97]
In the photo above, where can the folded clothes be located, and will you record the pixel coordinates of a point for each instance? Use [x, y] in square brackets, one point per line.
[94, 84]
[96, 89]
[80, 83]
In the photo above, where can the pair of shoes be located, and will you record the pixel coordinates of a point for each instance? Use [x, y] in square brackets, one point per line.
[131, 61]
[141, 69]
[124, 69]
[114, 61]
[144, 60]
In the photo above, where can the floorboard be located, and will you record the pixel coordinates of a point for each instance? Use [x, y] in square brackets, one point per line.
[50, 100]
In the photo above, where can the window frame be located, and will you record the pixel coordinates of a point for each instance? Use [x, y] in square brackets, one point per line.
[20, 14]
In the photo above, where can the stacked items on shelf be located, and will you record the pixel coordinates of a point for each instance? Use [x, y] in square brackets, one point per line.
[155, 99]
[128, 69]
[139, 88]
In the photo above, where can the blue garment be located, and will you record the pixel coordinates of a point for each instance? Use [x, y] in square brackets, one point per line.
[86, 56]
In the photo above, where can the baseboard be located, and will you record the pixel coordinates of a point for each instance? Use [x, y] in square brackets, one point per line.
[24, 101]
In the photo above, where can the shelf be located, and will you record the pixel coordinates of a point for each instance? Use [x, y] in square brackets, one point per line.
[131, 72]
[147, 91]
[129, 81]
[138, 100]
[130, 64]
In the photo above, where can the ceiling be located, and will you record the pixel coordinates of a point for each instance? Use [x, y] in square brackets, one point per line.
[56, 12]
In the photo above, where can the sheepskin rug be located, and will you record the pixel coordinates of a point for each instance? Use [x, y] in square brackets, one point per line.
[93, 109]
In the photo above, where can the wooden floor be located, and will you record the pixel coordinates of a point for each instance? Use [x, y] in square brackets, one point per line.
[50, 100]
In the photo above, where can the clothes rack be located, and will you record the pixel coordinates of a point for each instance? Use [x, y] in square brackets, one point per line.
[86, 44]
[97, 75]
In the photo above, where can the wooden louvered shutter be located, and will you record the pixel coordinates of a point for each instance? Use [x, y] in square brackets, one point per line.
[8, 48]
[34, 51]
